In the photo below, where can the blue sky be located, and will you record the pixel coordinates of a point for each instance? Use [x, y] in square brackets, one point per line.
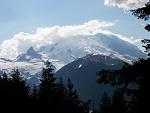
[28, 15]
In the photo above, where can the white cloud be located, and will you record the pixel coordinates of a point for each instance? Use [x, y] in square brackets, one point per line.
[126, 4]
[20, 42]
[132, 40]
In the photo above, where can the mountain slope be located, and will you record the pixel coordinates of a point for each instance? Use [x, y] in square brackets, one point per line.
[67, 50]
[77, 57]
[62, 51]
[83, 71]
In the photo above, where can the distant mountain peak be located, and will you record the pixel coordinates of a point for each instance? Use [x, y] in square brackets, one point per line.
[31, 50]
[29, 55]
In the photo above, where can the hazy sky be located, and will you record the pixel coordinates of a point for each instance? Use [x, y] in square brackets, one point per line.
[28, 15]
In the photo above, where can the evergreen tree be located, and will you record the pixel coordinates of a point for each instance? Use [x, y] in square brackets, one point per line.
[86, 106]
[47, 88]
[34, 93]
[105, 106]
[18, 91]
[47, 82]
[5, 85]
[72, 95]
[137, 73]
[5, 92]
[60, 97]
[33, 103]
[118, 103]
[51, 95]
[18, 84]
[73, 99]
[144, 14]
[61, 90]
[131, 104]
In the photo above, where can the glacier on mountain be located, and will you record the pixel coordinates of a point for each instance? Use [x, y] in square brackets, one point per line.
[63, 51]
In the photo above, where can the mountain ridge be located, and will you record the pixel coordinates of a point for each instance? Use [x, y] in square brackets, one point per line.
[64, 51]
[83, 73]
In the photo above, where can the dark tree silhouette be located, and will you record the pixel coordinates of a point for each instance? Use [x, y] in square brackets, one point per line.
[118, 103]
[47, 88]
[73, 99]
[146, 45]
[74, 103]
[144, 13]
[52, 95]
[5, 92]
[105, 105]
[18, 84]
[34, 93]
[119, 78]
[33, 103]
[61, 92]
[19, 90]
[137, 73]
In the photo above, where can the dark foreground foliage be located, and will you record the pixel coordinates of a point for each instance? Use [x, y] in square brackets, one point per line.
[132, 83]
[51, 96]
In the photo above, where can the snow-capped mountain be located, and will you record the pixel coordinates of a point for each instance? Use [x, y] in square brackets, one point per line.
[29, 55]
[63, 51]
[30, 64]
[76, 47]
[78, 58]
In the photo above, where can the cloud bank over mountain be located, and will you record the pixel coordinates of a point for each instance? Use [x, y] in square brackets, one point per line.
[20, 42]
[126, 4]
